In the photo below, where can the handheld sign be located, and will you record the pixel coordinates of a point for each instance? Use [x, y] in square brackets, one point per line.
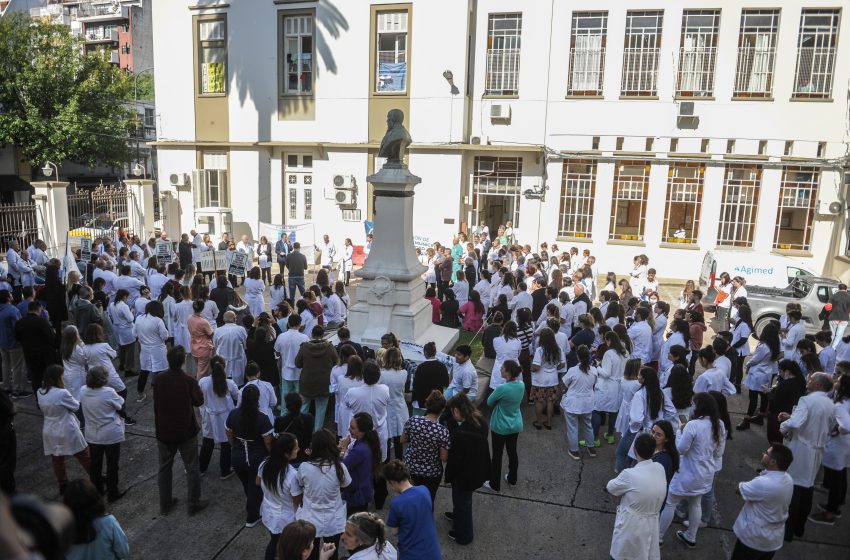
[85, 249]
[163, 252]
[238, 262]
[207, 261]
[221, 260]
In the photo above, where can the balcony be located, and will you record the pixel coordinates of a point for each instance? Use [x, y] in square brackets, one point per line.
[696, 71]
[502, 72]
[640, 72]
[101, 36]
[587, 69]
[754, 72]
[815, 66]
[89, 13]
[51, 14]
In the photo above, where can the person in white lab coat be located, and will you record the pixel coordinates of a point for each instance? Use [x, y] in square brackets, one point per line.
[102, 406]
[577, 403]
[122, 323]
[700, 446]
[642, 488]
[254, 289]
[229, 341]
[836, 456]
[606, 394]
[372, 397]
[808, 428]
[73, 354]
[287, 346]
[365, 538]
[759, 526]
[796, 333]
[61, 433]
[507, 347]
[281, 494]
[761, 369]
[394, 376]
[182, 312]
[347, 261]
[328, 258]
[220, 394]
[641, 334]
[152, 335]
[334, 309]
[712, 379]
[99, 353]
[648, 405]
[268, 398]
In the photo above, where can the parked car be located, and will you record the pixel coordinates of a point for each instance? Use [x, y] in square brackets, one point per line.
[98, 226]
[759, 269]
[811, 292]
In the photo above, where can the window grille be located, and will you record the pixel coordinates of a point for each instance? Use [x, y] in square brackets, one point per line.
[698, 53]
[684, 198]
[628, 208]
[587, 53]
[796, 212]
[578, 191]
[641, 52]
[739, 206]
[816, 54]
[756, 53]
[298, 54]
[503, 50]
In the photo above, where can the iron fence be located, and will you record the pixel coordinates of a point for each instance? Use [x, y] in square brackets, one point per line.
[18, 222]
[96, 213]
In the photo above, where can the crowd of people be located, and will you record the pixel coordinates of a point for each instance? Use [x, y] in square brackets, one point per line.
[319, 434]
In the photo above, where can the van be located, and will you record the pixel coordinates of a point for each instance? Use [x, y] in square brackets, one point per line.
[759, 269]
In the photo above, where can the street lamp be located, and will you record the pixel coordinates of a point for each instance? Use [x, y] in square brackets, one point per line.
[49, 169]
[138, 170]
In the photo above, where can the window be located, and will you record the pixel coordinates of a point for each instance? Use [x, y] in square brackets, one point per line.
[210, 182]
[756, 53]
[640, 53]
[796, 208]
[816, 54]
[730, 146]
[684, 196]
[619, 143]
[391, 44]
[503, 48]
[739, 206]
[594, 144]
[578, 190]
[628, 210]
[821, 149]
[789, 148]
[648, 144]
[698, 53]
[308, 204]
[299, 187]
[703, 145]
[149, 117]
[212, 54]
[762, 147]
[298, 54]
[293, 204]
[587, 53]
[496, 184]
[674, 145]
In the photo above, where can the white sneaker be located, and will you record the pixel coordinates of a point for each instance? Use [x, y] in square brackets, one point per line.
[141, 398]
[488, 487]
[702, 524]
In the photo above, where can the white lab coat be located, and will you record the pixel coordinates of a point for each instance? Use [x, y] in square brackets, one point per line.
[461, 290]
[373, 399]
[152, 336]
[796, 333]
[100, 407]
[761, 523]
[643, 489]
[658, 336]
[343, 420]
[714, 379]
[278, 509]
[182, 312]
[628, 388]
[742, 331]
[347, 258]
[639, 413]
[699, 456]
[140, 305]
[506, 349]
[397, 413]
[122, 322]
[287, 345]
[836, 454]
[229, 342]
[335, 310]
[389, 553]
[102, 354]
[606, 394]
[268, 398]
[254, 290]
[75, 371]
[322, 505]
[210, 313]
[130, 284]
[579, 396]
[675, 339]
[761, 368]
[328, 254]
[60, 433]
[215, 409]
[519, 301]
[641, 334]
[808, 427]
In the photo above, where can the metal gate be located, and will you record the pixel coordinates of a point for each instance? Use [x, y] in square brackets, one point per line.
[18, 222]
[96, 213]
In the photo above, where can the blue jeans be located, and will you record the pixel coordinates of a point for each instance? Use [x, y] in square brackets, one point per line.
[296, 281]
[286, 387]
[321, 409]
[599, 418]
[621, 455]
[462, 505]
[574, 423]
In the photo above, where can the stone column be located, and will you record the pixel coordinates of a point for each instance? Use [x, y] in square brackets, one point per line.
[140, 211]
[51, 211]
[170, 211]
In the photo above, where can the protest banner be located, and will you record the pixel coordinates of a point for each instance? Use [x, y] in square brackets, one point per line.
[238, 263]
[421, 242]
[208, 261]
[221, 261]
[85, 249]
[163, 252]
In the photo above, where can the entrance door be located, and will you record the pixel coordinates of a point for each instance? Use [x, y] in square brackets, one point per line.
[298, 189]
[495, 210]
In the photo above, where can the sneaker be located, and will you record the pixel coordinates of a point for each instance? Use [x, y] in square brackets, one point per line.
[203, 473]
[573, 455]
[702, 524]
[689, 543]
[450, 515]
[597, 443]
[22, 394]
[581, 443]
[169, 508]
[488, 487]
[837, 514]
[253, 523]
[591, 451]
[130, 421]
[452, 535]
[141, 398]
[509, 482]
[231, 474]
[823, 518]
[611, 439]
[680, 514]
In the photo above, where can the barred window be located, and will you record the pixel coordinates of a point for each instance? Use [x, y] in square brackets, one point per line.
[756, 53]
[587, 53]
[496, 184]
[298, 54]
[503, 49]
[816, 54]
[739, 206]
[640, 53]
[698, 52]
[628, 210]
[578, 190]
[684, 199]
[796, 211]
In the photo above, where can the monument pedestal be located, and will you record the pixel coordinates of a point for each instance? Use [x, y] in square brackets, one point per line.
[391, 297]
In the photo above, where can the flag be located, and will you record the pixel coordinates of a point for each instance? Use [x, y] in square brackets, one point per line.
[69, 263]
[368, 226]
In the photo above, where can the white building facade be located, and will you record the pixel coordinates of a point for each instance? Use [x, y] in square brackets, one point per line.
[602, 125]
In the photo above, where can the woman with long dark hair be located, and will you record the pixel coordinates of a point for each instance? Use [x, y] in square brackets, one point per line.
[473, 312]
[220, 395]
[740, 342]
[297, 423]
[783, 396]
[507, 347]
[623, 333]
[607, 394]
[578, 402]
[427, 444]
[836, 456]
[297, 542]
[701, 445]
[679, 389]
[98, 534]
[361, 452]
[761, 369]
[548, 360]
[665, 448]
[647, 407]
[321, 480]
[394, 376]
[277, 479]
[468, 464]
[249, 433]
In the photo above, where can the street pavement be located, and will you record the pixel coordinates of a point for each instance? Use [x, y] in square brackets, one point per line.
[558, 508]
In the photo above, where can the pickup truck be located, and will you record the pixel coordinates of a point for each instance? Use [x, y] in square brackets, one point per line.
[811, 292]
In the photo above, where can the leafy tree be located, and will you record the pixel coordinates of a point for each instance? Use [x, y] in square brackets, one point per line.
[57, 103]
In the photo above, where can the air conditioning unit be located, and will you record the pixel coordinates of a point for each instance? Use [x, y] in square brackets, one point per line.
[686, 117]
[178, 179]
[330, 193]
[344, 182]
[830, 208]
[500, 112]
[479, 140]
[344, 197]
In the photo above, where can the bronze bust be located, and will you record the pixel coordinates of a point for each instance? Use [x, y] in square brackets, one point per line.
[395, 142]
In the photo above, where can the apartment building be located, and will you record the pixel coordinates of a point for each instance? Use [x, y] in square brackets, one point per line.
[665, 130]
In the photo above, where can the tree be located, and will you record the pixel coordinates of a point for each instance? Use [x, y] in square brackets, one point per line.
[57, 103]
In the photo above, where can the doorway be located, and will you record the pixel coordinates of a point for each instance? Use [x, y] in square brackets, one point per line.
[495, 210]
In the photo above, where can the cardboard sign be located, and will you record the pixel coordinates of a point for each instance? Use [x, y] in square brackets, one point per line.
[421, 242]
[85, 249]
[221, 260]
[207, 261]
[163, 252]
[238, 263]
